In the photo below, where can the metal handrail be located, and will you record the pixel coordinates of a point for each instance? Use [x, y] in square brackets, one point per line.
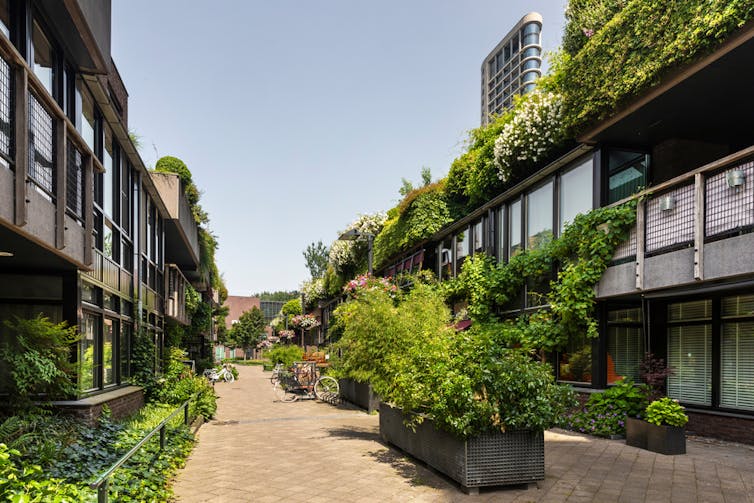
[102, 484]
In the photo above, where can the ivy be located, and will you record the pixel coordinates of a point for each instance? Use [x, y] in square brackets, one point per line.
[583, 253]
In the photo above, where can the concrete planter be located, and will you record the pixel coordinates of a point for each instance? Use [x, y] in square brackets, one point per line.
[515, 457]
[664, 439]
[360, 394]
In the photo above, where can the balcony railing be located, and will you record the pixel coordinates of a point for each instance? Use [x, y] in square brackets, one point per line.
[175, 299]
[109, 274]
[692, 212]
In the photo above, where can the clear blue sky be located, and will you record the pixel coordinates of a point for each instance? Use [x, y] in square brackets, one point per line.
[296, 116]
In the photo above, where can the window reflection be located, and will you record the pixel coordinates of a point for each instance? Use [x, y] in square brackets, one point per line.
[43, 57]
[462, 249]
[539, 217]
[575, 362]
[575, 193]
[514, 229]
[4, 18]
[108, 359]
[627, 173]
[88, 369]
[86, 123]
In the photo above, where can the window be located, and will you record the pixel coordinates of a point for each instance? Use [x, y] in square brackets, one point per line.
[89, 366]
[575, 363]
[529, 77]
[5, 113]
[625, 344]
[125, 350]
[575, 193]
[75, 182]
[690, 352]
[514, 229]
[627, 173]
[462, 249]
[86, 124]
[531, 52]
[539, 217]
[125, 198]
[446, 259]
[5, 18]
[109, 176]
[43, 57]
[500, 233]
[478, 229]
[737, 353]
[108, 351]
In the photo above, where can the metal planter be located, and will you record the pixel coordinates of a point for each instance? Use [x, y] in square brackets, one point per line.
[664, 439]
[359, 394]
[514, 457]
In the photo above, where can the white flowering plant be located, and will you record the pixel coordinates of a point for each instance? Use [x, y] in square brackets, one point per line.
[536, 128]
[314, 290]
[305, 321]
[345, 255]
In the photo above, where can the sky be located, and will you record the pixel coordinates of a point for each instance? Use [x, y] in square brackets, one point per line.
[296, 116]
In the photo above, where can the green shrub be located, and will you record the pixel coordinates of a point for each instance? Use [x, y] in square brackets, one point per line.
[666, 411]
[35, 360]
[285, 354]
[23, 482]
[178, 384]
[604, 414]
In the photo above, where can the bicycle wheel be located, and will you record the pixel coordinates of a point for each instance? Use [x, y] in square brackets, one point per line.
[326, 388]
[282, 394]
[228, 377]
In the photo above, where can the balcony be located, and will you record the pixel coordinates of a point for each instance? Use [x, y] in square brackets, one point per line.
[181, 233]
[175, 291]
[694, 228]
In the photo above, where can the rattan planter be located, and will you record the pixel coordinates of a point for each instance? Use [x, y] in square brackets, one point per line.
[515, 457]
[359, 394]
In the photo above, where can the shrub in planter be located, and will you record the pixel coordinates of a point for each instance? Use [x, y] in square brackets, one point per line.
[605, 414]
[662, 431]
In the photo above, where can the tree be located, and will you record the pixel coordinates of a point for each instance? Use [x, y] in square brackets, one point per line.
[249, 329]
[426, 175]
[406, 187]
[316, 256]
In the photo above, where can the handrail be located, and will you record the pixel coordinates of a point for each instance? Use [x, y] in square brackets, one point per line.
[102, 484]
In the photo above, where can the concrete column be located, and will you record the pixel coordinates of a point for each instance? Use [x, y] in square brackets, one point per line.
[61, 167]
[21, 127]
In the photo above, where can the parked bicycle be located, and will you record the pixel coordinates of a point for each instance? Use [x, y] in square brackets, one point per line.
[223, 373]
[275, 377]
[304, 381]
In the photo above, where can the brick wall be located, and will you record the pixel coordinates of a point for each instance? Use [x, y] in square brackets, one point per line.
[733, 429]
[120, 407]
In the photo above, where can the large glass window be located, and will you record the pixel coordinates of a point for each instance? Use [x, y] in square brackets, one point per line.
[478, 229]
[5, 18]
[575, 192]
[462, 248]
[690, 351]
[625, 344]
[500, 233]
[109, 180]
[627, 173]
[539, 217]
[108, 351]
[124, 352]
[89, 367]
[86, 124]
[575, 362]
[737, 353]
[43, 57]
[446, 259]
[514, 229]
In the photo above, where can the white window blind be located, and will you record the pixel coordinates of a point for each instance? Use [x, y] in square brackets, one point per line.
[737, 366]
[690, 357]
[625, 345]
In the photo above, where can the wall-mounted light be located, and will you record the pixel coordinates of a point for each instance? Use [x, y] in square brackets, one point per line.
[735, 178]
[667, 203]
[6, 254]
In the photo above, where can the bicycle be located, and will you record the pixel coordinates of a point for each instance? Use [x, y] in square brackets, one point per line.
[275, 377]
[305, 382]
[223, 373]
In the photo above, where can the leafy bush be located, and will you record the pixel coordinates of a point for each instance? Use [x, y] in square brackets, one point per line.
[285, 354]
[178, 384]
[24, 482]
[468, 383]
[604, 414]
[35, 360]
[666, 411]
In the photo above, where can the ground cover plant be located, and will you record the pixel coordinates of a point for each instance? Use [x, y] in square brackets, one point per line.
[604, 414]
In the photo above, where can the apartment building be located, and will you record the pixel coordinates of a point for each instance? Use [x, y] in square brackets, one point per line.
[682, 285]
[86, 234]
[511, 68]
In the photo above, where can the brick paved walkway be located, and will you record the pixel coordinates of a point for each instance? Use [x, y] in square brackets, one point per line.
[264, 451]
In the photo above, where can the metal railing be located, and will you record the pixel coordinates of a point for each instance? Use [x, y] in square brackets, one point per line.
[102, 484]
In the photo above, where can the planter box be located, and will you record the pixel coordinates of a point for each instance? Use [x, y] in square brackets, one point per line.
[669, 440]
[359, 394]
[515, 457]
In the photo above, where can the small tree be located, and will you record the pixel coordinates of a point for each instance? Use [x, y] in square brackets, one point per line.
[249, 329]
[316, 256]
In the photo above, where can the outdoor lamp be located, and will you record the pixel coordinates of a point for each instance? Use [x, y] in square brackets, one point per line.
[354, 235]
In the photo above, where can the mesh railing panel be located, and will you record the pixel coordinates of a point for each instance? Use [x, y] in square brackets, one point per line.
[41, 146]
[729, 208]
[5, 109]
[75, 182]
[673, 227]
[628, 247]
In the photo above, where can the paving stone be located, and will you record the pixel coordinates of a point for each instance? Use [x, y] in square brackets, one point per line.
[260, 450]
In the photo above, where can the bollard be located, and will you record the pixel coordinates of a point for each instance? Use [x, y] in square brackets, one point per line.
[102, 491]
[162, 438]
[186, 415]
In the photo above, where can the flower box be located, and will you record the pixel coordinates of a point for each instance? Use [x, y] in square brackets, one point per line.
[663, 439]
[360, 394]
[513, 457]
